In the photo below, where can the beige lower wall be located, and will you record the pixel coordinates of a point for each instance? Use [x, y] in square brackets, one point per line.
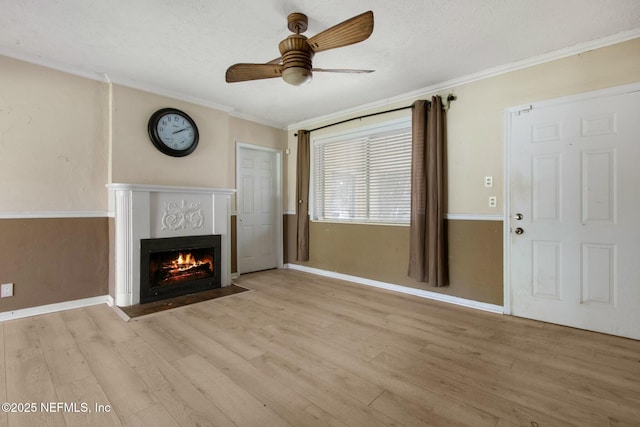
[53, 260]
[381, 252]
[56, 260]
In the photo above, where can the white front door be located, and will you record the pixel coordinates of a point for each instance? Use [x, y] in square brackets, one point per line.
[574, 235]
[258, 221]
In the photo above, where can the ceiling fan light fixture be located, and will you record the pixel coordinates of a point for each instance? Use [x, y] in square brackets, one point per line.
[297, 76]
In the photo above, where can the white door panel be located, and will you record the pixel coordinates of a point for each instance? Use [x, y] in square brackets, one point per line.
[574, 178]
[258, 199]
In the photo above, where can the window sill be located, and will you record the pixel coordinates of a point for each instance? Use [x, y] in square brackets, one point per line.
[330, 221]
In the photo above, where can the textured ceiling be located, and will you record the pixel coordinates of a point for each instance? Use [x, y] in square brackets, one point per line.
[183, 47]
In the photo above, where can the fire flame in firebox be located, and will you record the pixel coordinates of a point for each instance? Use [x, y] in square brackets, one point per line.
[184, 262]
[173, 267]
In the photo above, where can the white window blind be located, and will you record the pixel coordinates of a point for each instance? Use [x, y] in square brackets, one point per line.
[364, 177]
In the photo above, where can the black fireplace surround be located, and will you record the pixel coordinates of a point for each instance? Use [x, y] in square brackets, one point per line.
[175, 266]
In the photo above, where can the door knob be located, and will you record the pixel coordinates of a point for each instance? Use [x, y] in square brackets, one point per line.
[519, 230]
[518, 216]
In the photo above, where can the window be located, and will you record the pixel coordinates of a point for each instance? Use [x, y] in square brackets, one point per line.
[363, 176]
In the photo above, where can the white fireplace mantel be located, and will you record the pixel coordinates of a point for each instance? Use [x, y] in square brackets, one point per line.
[154, 211]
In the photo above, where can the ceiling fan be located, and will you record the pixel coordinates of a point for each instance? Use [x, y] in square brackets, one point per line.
[294, 66]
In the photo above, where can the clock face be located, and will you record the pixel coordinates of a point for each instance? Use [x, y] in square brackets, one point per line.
[173, 132]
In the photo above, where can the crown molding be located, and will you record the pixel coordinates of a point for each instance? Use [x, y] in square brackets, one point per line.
[409, 96]
[50, 63]
[156, 90]
[108, 78]
[258, 120]
[470, 78]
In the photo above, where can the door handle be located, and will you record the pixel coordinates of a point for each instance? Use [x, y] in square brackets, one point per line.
[518, 216]
[519, 230]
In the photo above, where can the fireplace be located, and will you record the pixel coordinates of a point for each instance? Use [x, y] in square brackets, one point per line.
[150, 212]
[177, 266]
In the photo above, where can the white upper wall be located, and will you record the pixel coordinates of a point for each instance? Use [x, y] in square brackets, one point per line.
[64, 137]
[475, 121]
[135, 160]
[56, 133]
[53, 140]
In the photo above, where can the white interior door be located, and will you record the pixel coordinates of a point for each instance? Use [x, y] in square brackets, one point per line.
[574, 237]
[259, 220]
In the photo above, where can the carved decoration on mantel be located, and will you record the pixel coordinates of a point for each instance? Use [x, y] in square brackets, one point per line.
[181, 216]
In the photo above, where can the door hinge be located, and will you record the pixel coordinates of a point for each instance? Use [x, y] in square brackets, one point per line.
[524, 110]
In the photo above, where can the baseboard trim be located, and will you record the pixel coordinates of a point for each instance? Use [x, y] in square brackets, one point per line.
[492, 308]
[52, 308]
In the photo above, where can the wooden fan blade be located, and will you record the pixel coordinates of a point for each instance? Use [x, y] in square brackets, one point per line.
[341, 70]
[278, 60]
[351, 31]
[244, 72]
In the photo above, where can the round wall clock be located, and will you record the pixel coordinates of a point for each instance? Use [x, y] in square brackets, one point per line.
[173, 132]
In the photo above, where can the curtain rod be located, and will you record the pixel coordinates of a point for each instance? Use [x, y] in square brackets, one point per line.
[450, 97]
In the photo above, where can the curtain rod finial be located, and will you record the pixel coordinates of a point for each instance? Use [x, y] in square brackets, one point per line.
[450, 98]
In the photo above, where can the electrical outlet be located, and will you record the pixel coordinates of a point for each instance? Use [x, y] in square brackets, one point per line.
[488, 181]
[7, 290]
[493, 201]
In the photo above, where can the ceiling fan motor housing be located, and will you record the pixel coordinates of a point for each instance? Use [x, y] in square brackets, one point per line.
[296, 59]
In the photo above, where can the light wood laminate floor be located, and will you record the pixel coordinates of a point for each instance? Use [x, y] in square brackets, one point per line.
[303, 350]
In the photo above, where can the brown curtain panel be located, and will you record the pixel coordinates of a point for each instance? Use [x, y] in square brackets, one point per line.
[427, 241]
[302, 191]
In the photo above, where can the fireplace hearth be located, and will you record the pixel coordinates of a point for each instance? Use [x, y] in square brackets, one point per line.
[176, 266]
